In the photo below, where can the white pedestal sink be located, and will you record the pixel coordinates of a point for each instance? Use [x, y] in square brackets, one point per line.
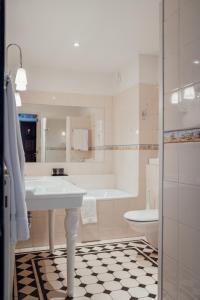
[49, 193]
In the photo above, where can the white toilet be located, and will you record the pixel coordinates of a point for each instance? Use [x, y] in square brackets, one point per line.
[146, 221]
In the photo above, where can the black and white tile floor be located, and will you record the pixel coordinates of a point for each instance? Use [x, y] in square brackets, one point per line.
[122, 270]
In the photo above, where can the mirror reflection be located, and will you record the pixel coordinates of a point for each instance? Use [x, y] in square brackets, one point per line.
[53, 133]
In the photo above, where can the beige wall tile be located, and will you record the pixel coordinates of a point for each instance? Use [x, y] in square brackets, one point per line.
[170, 237]
[170, 276]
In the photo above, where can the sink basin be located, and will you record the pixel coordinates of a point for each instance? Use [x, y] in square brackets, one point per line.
[49, 193]
[52, 192]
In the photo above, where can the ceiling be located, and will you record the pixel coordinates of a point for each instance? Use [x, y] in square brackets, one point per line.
[110, 32]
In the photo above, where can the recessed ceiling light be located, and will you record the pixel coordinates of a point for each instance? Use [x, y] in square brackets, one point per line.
[196, 62]
[76, 44]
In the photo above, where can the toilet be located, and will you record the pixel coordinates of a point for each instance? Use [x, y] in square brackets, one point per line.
[145, 221]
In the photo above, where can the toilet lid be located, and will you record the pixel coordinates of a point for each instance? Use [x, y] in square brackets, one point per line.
[147, 215]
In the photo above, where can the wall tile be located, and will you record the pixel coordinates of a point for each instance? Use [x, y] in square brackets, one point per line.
[189, 163]
[171, 162]
[189, 245]
[90, 232]
[166, 296]
[181, 205]
[171, 79]
[149, 98]
[189, 205]
[105, 209]
[170, 8]
[126, 116]
[170, 237]
[126, 177]
[59, 224]
[170, 276]
[191, 111]
[170, 200]
[184, 114]
[171, 32]
[173, 113]
[189, 21]
[189, 288]
[189, 71]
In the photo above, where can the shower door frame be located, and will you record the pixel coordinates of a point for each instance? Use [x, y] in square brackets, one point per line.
[2, 60]
[161, 148]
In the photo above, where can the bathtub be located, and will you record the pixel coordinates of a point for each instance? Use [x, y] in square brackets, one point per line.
[108, 194]
[111, 205]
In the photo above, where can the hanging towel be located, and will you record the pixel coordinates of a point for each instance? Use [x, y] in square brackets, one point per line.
[15, 161]
[80, 139]
[89, 210]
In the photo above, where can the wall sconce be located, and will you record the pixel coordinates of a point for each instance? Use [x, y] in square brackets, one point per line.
[20, 79]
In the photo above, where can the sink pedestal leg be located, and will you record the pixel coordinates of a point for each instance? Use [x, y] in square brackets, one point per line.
[51, 230]
[71, 226]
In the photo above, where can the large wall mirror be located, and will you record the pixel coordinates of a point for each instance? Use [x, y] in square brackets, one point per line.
[62, 133]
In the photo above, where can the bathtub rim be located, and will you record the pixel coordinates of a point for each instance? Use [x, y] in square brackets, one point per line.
[124, 195]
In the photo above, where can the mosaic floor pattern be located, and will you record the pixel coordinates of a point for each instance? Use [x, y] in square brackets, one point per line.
[122, 270]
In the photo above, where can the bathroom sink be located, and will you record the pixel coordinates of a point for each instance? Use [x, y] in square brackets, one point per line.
[49, 193]
[52, 192]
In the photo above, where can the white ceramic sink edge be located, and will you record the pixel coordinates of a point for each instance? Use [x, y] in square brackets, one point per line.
[51, 187]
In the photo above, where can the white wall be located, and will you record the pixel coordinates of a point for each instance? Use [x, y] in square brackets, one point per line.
[148, 69]
[125, 127]
[60, 80]
[127, 76]
[136, 92]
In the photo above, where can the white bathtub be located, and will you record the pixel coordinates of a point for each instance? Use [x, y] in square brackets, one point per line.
[111, 205]
[107, 194]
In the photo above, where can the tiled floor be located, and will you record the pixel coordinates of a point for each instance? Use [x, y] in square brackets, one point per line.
[121, 270]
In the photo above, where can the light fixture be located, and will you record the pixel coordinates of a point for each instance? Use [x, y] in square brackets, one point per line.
[189, 93]
[196, 62]
[18, 100]
[21, 79]
[63, 133]
[76, 44]
[174, 98]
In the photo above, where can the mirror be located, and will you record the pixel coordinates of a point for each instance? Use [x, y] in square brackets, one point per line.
[53, 133]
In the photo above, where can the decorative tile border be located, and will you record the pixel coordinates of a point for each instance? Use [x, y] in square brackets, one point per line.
[182, 136]
[148, 147]
[134, 147]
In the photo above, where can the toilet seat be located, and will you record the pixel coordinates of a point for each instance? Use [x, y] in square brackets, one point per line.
[147, 215]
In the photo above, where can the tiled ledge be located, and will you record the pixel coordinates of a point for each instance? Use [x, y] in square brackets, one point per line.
[182, 136]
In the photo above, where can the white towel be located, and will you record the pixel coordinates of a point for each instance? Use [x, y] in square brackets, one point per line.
[89, 210]
[80, 139]
[15, 160]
